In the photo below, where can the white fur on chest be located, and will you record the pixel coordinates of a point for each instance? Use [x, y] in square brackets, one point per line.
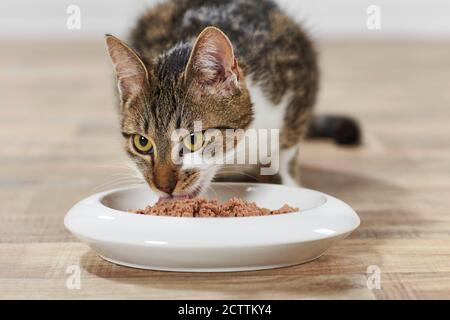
[266, 114]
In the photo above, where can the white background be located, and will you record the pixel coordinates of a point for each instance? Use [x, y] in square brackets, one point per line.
[325, 19]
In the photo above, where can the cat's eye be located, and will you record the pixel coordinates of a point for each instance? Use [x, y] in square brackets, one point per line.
[194, 141]
[142, 144]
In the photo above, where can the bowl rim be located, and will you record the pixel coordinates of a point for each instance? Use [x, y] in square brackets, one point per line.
[95, 205]
[102, 195]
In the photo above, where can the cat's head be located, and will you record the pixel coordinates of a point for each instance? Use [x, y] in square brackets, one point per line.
[185, 86]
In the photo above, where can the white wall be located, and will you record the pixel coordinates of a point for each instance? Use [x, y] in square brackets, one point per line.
[329, 19]
[409, 19]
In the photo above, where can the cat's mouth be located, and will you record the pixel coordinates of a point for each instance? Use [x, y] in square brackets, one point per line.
[189, 195]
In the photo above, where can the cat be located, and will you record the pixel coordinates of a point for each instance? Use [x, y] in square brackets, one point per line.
[235, 64]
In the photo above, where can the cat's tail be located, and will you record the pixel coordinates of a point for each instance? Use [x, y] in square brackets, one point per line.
[342, 129]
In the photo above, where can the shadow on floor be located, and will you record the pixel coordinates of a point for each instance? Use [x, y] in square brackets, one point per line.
[345, 186]
[301, 281]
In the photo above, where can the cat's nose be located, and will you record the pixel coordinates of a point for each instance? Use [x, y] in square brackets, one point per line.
[165, 178]
[167, 188]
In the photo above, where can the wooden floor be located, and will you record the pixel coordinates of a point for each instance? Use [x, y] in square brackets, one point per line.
[59, 143]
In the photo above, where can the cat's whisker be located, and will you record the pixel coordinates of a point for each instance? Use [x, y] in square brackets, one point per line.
[243, 174]
[114, 166]
[114, 186]
[117, 180]
[234, 171]
[119, 185]
[210, 187]
[232, 188]
[130, 169]
[125, 176]
[115, 183]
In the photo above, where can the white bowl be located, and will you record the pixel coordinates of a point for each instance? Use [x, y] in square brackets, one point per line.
[212, 244]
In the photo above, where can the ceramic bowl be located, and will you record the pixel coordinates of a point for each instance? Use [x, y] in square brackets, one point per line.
[212, 244]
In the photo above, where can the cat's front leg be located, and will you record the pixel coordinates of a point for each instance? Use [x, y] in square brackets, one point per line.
[289, 170]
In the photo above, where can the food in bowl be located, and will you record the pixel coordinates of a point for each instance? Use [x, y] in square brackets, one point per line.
[200, 207]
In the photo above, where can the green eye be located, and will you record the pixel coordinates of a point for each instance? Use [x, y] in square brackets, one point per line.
[194, 141]
[142, 144]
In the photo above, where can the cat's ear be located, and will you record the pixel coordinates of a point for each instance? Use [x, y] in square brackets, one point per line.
[212, 63]
[130, 71]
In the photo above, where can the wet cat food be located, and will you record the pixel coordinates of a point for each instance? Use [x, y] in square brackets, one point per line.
[200, 207]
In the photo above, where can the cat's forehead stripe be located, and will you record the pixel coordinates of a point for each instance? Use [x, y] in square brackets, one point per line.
[172, 63]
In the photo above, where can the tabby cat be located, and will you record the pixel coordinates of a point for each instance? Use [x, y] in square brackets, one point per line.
[235, 64]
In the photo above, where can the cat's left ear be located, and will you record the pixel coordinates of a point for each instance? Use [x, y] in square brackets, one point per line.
[131, 72]
[212, 63]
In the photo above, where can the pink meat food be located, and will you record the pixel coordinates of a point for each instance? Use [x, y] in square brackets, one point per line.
[200, 207]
